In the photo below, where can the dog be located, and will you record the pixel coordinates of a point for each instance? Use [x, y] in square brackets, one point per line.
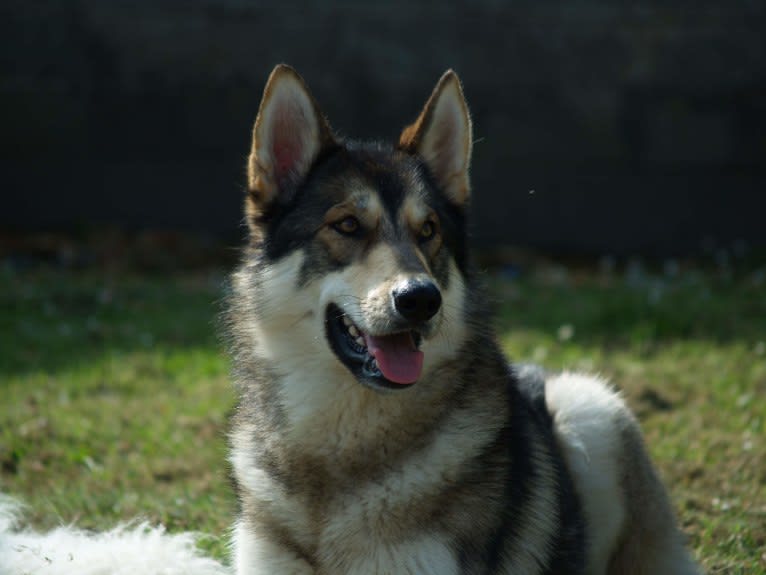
[379, 428]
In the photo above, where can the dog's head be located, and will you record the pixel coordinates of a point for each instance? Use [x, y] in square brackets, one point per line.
[360, 248]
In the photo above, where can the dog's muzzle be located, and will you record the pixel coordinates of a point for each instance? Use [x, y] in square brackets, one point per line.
[417, 302]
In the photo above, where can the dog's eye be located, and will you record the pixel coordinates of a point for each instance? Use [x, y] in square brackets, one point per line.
[427, 230]
[348, 226]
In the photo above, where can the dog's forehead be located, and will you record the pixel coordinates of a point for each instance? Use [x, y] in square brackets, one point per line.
[385, 182]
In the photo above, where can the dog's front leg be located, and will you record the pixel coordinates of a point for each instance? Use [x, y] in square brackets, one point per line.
[256, 553]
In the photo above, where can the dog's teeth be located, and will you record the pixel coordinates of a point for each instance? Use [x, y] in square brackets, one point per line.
[360, 341]
[353, 331]
[346, 320]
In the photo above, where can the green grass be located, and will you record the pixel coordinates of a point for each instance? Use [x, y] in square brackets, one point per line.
[114, 401]
[115, 394]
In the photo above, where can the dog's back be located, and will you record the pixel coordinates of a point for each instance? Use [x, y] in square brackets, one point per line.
[631, 525]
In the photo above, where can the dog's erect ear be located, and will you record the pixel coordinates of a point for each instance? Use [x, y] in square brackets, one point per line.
[289, 134]
[441, 136]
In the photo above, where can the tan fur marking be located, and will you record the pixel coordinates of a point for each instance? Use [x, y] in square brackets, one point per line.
[415, 211]
[414, 214]
[364, 205]
[382, 274]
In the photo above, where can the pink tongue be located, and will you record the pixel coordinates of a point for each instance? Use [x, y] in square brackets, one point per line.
[397, 357]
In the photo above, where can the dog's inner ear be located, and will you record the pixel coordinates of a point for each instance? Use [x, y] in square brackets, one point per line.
[442, 137]
[289, 134]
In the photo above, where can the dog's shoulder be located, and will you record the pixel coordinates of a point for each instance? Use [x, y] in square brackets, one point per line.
[576, 404]
[588, 418]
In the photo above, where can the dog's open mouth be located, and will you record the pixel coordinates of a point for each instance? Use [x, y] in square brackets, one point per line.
[392, 360]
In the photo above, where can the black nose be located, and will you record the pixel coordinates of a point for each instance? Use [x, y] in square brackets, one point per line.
[417, 301]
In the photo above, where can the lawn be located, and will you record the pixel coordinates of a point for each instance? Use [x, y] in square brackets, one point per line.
[115, 394]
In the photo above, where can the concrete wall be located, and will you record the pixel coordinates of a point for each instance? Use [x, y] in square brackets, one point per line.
[601, 127]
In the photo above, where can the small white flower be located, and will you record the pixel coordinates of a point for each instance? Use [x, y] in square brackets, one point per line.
[565, 332]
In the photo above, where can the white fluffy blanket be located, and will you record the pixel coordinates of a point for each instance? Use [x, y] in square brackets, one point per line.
[129, 549]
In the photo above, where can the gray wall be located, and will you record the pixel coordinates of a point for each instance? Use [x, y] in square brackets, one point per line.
[601, 127]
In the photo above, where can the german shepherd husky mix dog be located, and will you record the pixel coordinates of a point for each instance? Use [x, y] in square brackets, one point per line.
[380, 429]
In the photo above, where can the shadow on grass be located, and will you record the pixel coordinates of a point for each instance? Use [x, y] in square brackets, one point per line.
[614, 313]
[54, 320]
